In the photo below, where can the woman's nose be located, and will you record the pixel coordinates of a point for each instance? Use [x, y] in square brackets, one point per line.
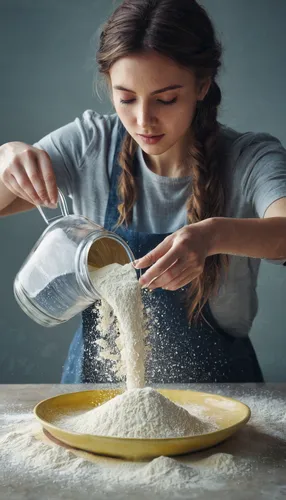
[144, 118]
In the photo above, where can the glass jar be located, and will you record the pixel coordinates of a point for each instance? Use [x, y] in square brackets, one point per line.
[54, 284]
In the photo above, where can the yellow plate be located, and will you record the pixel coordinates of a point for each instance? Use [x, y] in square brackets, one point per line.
[229, 415]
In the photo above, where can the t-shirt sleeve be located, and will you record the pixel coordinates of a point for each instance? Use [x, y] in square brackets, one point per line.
[264, 174]
[67, 147]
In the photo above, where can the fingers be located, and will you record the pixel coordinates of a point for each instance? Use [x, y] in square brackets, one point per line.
[30, 176]
[179, 273]
[15, 188]
[24, 186]
[162, 272]
[181, 280]
[40, 177]
[34, 182]
[150, 258]
[48, 177]
[171, 274]
[175, 262]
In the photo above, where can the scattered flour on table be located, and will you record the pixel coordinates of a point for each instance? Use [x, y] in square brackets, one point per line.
[138, 413]
[122, 307]
[25, 460]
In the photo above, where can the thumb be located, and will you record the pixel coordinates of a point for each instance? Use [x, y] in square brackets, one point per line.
[151, 257]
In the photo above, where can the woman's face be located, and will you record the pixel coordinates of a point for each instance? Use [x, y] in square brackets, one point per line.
[153, 96]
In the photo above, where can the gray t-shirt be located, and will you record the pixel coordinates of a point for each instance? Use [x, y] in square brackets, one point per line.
[82, 154]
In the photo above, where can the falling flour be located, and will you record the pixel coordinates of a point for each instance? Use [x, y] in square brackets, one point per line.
[122, 303]
[138, 413]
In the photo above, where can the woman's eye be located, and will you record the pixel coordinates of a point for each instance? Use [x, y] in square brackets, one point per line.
[129, 101]
[168, 102]
[124, 101]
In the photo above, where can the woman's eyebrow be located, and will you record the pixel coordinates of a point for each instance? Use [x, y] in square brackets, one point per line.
[159, 91]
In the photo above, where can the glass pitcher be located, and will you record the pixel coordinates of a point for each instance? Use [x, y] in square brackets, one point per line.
[54, 283]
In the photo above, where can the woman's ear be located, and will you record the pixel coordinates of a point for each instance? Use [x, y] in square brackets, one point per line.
[108, 87]
[110, 93]
[203, 88]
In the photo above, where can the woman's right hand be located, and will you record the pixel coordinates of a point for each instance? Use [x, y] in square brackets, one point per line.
[28, 173]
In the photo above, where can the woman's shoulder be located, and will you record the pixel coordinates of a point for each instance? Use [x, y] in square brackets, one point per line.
[249, 143]
[88, 132]
[95, 127]
[92, 119]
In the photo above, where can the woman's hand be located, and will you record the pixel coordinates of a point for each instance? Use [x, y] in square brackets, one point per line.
[28, 173]
[178, 259]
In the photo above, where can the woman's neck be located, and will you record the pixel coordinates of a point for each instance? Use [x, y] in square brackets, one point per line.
[175, 162]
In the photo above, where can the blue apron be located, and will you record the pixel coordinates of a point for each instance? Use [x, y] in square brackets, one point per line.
[180, 353]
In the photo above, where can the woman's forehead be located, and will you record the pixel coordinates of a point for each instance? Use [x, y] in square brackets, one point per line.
[149, 70]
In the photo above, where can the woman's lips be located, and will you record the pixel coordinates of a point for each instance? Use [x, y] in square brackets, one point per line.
[151, 139]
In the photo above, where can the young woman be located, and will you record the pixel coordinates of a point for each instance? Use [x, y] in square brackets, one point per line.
[199, 204]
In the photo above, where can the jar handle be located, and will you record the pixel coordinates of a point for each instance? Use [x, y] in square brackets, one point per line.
[63, 207]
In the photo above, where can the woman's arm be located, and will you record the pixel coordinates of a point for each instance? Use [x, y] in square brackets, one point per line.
[183, 253]
[261, 238]
[16, 206]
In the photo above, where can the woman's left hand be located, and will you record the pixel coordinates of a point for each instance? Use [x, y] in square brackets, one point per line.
[179, 259]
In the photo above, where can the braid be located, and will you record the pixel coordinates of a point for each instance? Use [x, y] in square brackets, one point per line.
[127, 186]
[207, 199]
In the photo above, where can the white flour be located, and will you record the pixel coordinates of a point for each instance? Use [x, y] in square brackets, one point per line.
[138, 413]
[120, 289]
[30, 465]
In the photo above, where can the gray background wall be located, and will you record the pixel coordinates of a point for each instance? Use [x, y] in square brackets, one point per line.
[47, 67]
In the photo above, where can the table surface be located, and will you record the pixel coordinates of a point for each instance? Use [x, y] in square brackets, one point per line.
[268, 482]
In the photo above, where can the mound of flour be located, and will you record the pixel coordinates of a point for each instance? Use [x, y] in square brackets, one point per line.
[121, 294]
[138, 413]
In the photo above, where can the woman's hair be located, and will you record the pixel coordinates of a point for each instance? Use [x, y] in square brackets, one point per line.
[182, 31]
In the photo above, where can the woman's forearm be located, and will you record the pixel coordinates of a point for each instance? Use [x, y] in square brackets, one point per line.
[260, 238]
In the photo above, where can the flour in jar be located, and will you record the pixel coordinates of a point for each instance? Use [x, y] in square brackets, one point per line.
[121, 302]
